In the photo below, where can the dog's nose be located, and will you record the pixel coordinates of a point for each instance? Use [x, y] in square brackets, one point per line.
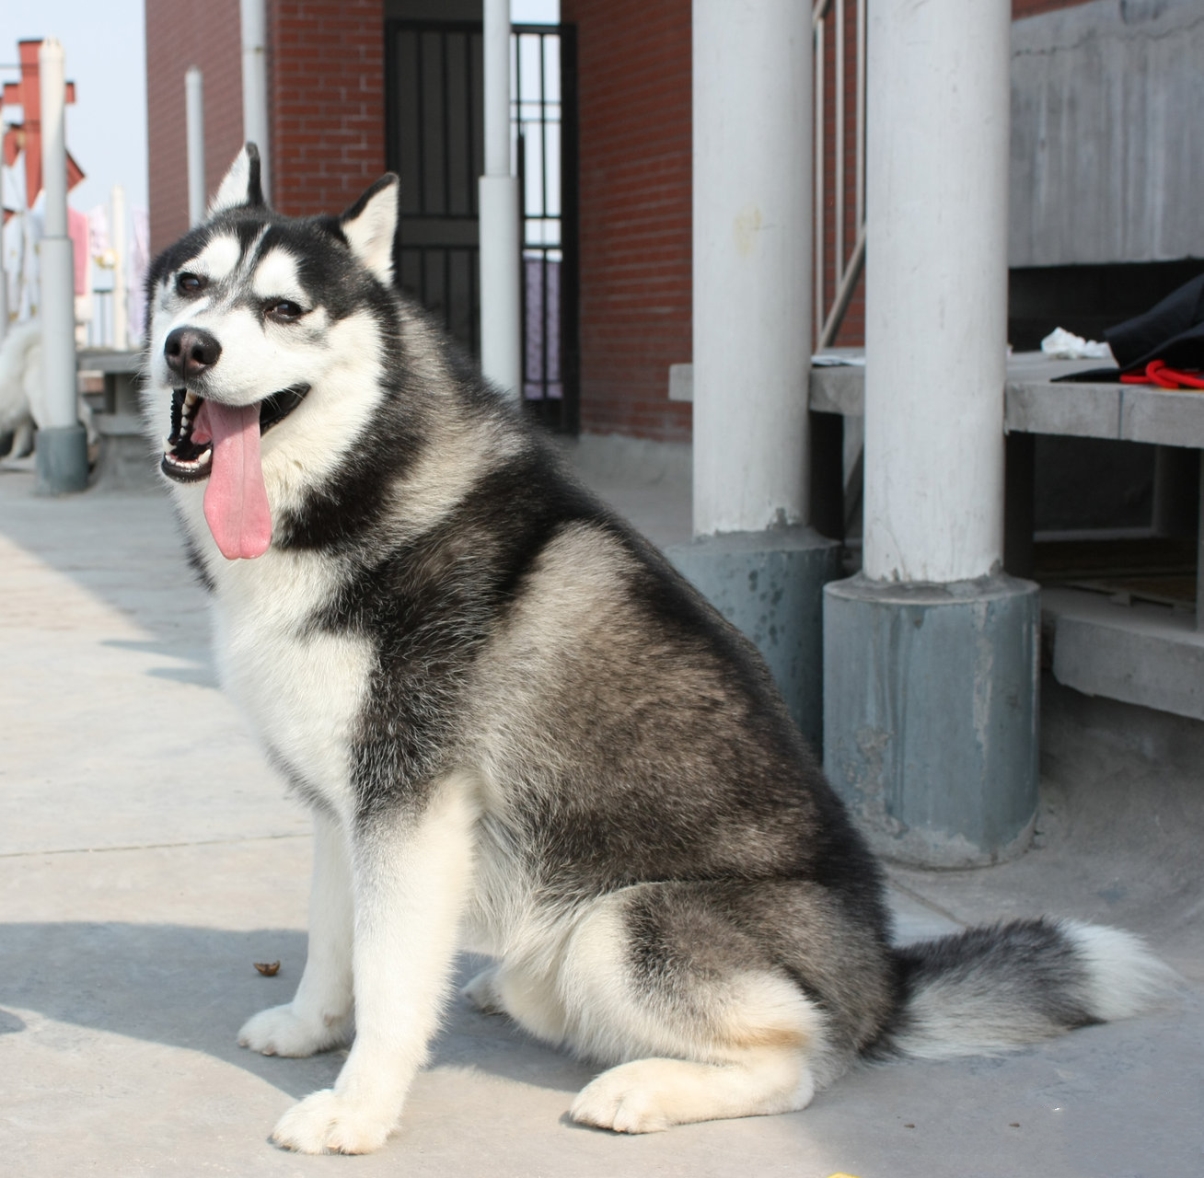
[190, 351]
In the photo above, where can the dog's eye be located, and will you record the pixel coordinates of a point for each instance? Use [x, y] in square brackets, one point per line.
[190, 284]
[283, 311]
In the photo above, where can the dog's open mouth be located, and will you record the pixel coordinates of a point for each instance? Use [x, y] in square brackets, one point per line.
[220, 444]
[188, 450]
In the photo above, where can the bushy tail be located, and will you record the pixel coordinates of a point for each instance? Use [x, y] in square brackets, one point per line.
[991, 989]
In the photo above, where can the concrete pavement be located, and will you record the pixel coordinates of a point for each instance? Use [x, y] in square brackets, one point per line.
[149, 857]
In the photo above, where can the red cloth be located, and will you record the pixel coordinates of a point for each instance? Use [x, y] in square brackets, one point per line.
[1164, 377]
[77, 230]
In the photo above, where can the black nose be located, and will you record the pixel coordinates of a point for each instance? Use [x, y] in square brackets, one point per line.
[190, 351]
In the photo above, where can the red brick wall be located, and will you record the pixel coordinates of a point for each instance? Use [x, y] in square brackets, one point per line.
[326, 101]
[325, 96]
[635, 215]
[1033, 7]
[851, 332]
[204, 33]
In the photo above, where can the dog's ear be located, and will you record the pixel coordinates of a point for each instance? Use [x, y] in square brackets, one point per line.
[369, 226]
[242, 186]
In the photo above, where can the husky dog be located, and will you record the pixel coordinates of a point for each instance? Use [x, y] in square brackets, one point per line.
[521, 731]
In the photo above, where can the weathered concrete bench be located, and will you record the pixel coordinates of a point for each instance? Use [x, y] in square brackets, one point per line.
[1135, 651]
[125, 460]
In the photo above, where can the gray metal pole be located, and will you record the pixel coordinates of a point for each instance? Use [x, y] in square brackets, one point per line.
[62, 448]
[194, 107]
[500, 205]
[255, 86]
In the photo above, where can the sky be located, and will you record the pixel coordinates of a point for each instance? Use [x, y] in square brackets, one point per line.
[106, 58]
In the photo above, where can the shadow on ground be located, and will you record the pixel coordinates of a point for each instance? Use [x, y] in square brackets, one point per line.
[194, 987]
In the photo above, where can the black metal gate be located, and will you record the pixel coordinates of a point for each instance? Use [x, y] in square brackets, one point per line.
[434, 75]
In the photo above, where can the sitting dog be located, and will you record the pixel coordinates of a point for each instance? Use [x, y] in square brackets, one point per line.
[520, 731]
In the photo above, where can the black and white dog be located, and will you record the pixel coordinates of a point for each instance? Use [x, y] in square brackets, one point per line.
[520, 731]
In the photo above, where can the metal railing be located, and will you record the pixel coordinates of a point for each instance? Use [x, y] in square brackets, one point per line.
[435, 77]
[836, 283]
[543, 122]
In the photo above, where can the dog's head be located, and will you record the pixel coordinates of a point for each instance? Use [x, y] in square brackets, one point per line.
[256, 322]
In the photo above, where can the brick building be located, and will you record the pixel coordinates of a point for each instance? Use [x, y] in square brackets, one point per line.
[332, 134]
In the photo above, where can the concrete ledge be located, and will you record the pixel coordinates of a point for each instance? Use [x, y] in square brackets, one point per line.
[118, 425]
[769, 585]
[930, 715]
[1139, 654]
[611, 457]
[126, 460]
[61, 460]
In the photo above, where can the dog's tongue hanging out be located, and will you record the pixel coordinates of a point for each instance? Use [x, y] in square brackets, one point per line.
[236, 501]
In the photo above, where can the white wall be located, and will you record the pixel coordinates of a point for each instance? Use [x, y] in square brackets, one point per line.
[1107, 161]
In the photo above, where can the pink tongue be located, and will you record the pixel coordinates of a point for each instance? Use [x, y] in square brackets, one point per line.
[236, 501]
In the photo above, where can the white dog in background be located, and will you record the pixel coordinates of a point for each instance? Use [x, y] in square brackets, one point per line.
[22, 398]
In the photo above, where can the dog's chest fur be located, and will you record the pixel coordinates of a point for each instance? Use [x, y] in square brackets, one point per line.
[301, 688]
[304, 689]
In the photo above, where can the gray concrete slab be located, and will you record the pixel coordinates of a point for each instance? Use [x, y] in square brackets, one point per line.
[1034, 406]
[148, 857]
[1135, 651]
[1106, 158]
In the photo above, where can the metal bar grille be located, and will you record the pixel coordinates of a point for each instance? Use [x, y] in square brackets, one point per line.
[539, 120]
[435, 83]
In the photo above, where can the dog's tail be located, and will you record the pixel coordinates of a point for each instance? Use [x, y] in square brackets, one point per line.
[991, 989]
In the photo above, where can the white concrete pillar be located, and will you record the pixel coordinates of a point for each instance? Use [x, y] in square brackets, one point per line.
[931, 666]
[194, 122]
[121, 330]
[255, 86]
[936, 288]
[62, 459]
[753, 556]
[752, 263]
[500, 216]
[55, 249]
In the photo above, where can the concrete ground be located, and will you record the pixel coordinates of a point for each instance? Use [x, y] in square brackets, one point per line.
[149, 857]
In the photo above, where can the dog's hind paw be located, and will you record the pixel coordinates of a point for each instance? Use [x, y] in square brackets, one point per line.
[281, 1031]
[482, 992]
[648, 1095]
[627, 1099]
[329, 1123]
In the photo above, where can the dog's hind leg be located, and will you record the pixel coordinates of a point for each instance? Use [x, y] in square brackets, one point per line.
[319, 1016]
[686, 985]
[648, 1095]
[411, 875]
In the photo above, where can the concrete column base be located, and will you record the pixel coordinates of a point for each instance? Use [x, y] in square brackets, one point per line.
[769, 585]
[61, 460]
[930, 715]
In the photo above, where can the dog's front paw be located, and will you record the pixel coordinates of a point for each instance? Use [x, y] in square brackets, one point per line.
[281, 1031]
[329, 1123]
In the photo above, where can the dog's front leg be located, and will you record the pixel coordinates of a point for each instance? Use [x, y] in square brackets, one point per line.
[411, 874]
[319, 1016]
